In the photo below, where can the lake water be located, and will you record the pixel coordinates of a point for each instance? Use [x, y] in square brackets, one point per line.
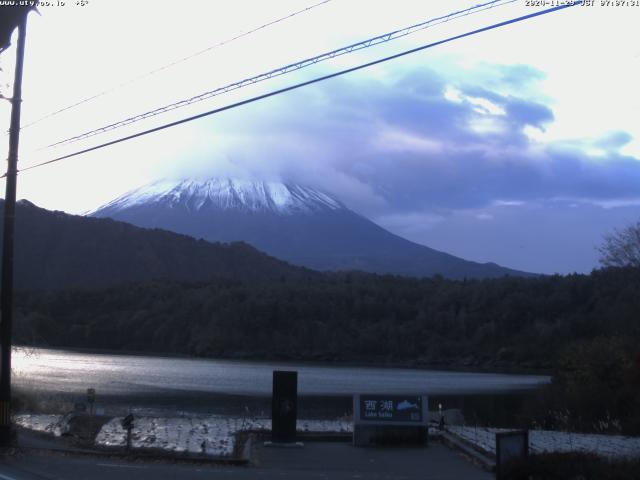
[196, 384]
[117, 374]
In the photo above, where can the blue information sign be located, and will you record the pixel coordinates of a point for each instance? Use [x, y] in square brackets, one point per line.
[391, 408]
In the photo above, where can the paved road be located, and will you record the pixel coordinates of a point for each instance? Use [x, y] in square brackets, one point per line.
[343, 461]
[316, 461]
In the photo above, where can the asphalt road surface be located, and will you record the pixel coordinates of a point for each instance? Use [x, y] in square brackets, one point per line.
[315, 461]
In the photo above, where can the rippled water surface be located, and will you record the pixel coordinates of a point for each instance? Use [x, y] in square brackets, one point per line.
[58, 370]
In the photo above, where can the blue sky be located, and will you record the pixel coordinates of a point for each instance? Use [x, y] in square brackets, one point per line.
[519, 146]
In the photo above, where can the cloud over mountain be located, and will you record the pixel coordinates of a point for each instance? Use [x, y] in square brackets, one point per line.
[421, 142]
[416, 140]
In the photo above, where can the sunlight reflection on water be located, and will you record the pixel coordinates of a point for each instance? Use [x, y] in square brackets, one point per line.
[57, 370]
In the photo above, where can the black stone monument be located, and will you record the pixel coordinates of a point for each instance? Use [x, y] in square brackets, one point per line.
[284, 406]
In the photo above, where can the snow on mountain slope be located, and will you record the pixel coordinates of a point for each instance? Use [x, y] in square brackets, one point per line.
[227, 194]
[297, 224]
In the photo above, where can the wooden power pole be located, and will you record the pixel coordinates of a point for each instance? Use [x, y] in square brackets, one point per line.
[6, 293]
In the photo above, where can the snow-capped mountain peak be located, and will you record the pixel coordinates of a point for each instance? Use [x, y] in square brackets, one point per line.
[300, 225]
[227, 194]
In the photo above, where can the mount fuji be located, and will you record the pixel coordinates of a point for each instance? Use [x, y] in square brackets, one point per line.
[301, 225]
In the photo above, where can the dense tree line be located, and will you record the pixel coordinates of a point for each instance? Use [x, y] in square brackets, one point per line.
[595, 387]
[509, 322]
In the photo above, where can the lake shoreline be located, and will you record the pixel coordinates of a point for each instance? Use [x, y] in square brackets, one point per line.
[486, 407]
[463, 367]
[49, 380]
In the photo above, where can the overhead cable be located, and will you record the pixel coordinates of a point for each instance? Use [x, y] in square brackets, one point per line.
[304, 84]
[174, 63]
[286, 69]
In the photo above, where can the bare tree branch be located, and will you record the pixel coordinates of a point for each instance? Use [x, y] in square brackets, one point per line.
[621, 248]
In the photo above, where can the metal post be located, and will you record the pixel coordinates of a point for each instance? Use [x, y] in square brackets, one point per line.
[129, 428]
[6, 294]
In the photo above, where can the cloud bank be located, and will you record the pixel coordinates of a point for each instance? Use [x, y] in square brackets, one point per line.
[424, 150]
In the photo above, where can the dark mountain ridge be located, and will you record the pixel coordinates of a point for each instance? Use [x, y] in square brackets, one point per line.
[57, 250]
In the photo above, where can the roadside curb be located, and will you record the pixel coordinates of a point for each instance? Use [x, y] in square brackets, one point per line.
[243, 457]
[307, 436]
[471, 451]
[325, 437]
[57, 447]
[137, 455]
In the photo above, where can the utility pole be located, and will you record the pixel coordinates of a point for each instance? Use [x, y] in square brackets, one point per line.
[6, 293]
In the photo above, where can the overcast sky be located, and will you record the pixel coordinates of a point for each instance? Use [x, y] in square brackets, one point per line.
[519, 146]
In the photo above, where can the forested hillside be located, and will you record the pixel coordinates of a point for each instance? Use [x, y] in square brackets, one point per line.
[57, 250]
[509, 322]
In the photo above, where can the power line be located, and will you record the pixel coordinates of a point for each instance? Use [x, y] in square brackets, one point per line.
[287, 69]
[176, 62]
[303, 84]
